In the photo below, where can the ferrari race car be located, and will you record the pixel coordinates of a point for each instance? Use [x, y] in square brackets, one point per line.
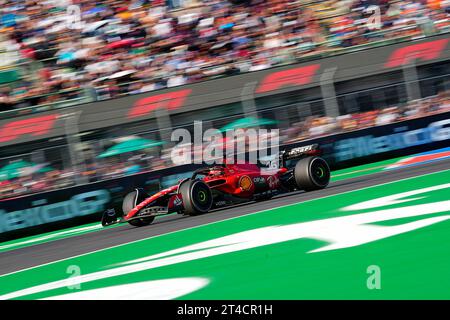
[222, 185]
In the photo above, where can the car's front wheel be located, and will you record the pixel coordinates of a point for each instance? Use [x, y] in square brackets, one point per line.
[197, 197]
[129, 202]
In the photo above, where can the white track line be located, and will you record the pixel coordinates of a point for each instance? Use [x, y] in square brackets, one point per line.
[209, 223]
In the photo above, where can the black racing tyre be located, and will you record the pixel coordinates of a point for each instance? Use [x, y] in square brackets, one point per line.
[129, 202]
[312, 173]
[197, 197]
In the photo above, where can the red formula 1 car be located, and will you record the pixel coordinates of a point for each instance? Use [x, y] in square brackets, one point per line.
[222, 185]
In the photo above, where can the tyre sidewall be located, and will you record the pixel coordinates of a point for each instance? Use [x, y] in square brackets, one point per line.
[192, 191]
[304, 177]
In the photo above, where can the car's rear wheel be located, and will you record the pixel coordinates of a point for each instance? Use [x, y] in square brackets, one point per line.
[129, 202]
[312, 173]
[197, 197]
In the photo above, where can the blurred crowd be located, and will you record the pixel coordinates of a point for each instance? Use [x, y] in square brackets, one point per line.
[314, 127]
[73, 51]
[140, 161]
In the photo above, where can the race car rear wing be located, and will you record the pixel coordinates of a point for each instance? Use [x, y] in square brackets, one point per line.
[299, 152]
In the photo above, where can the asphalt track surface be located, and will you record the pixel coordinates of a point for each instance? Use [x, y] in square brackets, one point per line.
[38, 254]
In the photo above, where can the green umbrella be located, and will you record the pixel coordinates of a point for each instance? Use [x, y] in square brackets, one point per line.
[19, 169]
[128, 146]
[247, 122]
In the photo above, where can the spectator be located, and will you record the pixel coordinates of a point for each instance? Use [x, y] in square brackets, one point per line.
[187, 41]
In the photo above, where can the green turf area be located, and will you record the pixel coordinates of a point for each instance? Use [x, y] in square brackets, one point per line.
[326, 248]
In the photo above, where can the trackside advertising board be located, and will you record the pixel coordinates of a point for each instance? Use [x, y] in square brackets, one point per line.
[58, 209]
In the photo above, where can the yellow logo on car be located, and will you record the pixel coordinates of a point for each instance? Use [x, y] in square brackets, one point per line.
[245, 183]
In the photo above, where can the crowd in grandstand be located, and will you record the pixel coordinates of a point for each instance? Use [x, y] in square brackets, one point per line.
[311, 127]
[81, 50]
[319, 126]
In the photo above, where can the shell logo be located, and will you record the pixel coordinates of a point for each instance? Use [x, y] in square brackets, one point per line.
[245, 183]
